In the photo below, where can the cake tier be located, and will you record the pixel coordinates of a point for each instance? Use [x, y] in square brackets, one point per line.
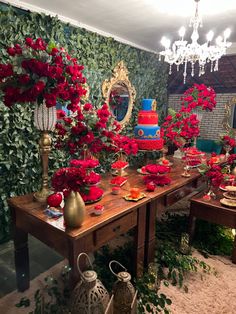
[149, 104]
[147, 117]
[150, 144]
[147, 131]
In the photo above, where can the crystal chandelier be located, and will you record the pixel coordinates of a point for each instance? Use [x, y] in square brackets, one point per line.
[183, 52]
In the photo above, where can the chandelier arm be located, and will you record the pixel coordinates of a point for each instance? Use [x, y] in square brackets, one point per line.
[183, 52]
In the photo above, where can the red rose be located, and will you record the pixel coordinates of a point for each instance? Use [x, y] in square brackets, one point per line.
[88, 107]
[11, 51]
[50, 100]
[29, 41]
[24, 79]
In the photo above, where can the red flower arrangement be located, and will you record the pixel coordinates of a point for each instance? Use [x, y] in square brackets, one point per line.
[156, 169]
[41, 72]
[215, 175]
[95, 128]
[179, 127]
[231, 159]
[79, 177]
[198, 96]
[227, 140]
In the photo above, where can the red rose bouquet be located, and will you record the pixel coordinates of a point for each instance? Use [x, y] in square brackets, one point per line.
[79, 177]
[95, 129]
[179, 127]
[227, 140]
[156, 169]
[198, 96]
[41, 72]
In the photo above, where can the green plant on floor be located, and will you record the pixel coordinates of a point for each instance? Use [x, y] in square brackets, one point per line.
[209, 238]
[53, 298]
[175, 265]
[150, 301]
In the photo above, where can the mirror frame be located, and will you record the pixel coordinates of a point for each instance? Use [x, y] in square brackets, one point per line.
[228, 115]
[120, 74]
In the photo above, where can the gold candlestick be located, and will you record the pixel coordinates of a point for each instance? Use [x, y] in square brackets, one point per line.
[45, 143]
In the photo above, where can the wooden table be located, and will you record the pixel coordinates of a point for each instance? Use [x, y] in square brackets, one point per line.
[213, 212]
[119, 216]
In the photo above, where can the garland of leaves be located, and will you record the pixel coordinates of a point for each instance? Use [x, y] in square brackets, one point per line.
[19, 159]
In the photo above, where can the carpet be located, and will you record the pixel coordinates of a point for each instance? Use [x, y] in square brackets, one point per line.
[207, 293]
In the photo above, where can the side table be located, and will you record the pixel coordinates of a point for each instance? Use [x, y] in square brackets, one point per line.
[213, 212]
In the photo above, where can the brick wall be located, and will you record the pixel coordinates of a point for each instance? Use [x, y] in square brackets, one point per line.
[211, 124]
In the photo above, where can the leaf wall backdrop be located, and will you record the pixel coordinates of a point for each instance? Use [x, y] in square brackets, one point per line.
[19, 160]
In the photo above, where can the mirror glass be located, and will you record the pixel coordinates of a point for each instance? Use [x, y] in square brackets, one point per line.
[119, 94]
[233, 116]
[119, 100]
[229, 121]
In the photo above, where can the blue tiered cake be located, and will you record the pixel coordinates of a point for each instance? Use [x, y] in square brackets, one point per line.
[147, 131]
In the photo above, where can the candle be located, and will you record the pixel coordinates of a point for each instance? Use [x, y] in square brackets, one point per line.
[116, 190]
[134, 192]
[98, 210]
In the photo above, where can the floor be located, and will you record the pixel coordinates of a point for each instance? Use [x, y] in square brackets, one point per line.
[41, 259]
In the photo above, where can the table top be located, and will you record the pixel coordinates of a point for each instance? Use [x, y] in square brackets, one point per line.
[215, 203]
[114, 205]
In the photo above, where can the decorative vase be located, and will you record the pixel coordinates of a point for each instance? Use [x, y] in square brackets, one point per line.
[234, 171]
[74, 210]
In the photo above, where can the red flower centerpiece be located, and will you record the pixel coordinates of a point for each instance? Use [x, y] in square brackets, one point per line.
[157, 175]
[41, 74]
[94, 128]
[38, 72]
[80, 177]
[228, 142]
[199, 96]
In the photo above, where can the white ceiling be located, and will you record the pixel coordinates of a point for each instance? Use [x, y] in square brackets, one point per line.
[141, 23]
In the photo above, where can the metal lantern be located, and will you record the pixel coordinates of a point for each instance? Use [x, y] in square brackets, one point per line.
[45, 121]
[123, 291]
[89, 296]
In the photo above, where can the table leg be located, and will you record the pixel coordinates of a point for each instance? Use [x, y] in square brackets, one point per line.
[191, 227]
[150, 233]
[234, 251]
[21, 259]
[140, 241]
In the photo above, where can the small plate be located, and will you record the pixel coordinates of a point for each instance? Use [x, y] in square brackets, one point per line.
[142, 172]
[222, 187]
[227, 195]
[228, 202]
[94, 201]
[129, 198]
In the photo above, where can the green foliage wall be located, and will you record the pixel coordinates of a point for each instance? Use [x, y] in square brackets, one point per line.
[19, 160]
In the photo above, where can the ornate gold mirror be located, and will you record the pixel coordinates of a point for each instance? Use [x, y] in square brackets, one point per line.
[119, 94]
[229, 121]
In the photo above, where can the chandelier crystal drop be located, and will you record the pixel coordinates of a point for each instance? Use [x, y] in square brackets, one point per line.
[182, 52]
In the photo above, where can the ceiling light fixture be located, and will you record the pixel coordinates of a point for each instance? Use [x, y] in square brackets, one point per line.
[183, 52]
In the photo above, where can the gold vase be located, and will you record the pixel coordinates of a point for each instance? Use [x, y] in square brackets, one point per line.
[74, 210]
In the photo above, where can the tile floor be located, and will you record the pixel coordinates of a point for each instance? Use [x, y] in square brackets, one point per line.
[41, 259]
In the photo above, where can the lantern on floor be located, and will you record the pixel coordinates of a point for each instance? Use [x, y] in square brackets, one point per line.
[45, 120]
[89, 296]
[123, 291]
